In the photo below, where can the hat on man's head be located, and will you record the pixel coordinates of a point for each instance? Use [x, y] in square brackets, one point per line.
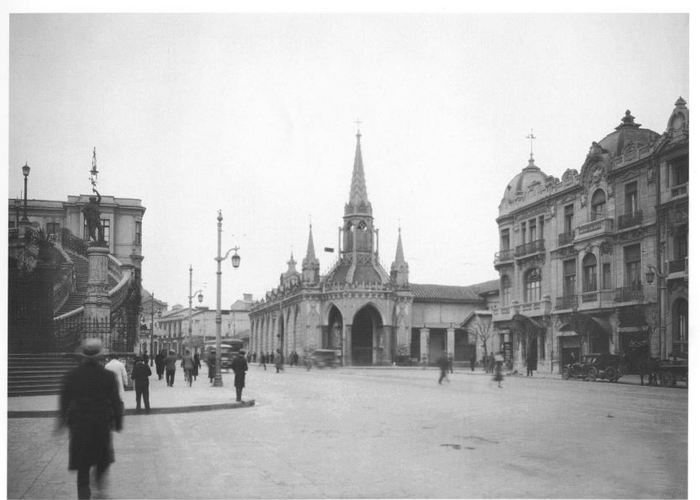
[91, 348]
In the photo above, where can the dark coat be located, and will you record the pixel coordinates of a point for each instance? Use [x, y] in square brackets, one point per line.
[211, 362]
[197, 365]
[239, 366]
[140, 373]
[90, 407]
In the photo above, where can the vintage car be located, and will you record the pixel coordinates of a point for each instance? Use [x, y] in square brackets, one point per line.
[321, 358]
[595, 366]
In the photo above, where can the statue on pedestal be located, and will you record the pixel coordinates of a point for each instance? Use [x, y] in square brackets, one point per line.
[91, 211]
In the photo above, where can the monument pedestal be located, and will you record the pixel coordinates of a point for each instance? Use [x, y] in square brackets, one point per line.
[97, 303]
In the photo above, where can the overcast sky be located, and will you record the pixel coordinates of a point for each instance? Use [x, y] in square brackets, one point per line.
[254, 114]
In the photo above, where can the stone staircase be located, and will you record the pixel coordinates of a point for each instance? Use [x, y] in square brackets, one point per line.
[77, 298]
[37, 374]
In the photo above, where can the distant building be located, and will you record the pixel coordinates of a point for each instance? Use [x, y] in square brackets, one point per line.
[597, 262]
[368, 315]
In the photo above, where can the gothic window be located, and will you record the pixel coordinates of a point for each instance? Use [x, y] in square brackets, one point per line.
[362, 226]
[680, 325]
[506, 287]
[533, 285]
[350, 226]
[590, 271]
[598, 205]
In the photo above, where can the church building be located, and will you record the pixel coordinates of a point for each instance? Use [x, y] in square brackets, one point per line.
[368, 315]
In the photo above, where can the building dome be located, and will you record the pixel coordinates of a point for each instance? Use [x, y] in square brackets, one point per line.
[529, 176]
[627, 134]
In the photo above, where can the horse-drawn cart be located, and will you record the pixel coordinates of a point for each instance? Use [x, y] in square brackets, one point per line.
[673, 370]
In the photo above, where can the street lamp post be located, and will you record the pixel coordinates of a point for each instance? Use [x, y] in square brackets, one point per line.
[200, 297]
[25, 172]
[235, 261]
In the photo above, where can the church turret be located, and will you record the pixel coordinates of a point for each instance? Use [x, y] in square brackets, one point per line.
[399, 268]
[358, 223]
[310, 265]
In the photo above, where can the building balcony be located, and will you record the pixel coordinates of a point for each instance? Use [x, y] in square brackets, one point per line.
[678, 269]
[629, 294]
[679, 190]
[530, 309]
[566, 238]
[595, 228]
[533, 247]
[503, 257]
[629, 220]
[566, 302]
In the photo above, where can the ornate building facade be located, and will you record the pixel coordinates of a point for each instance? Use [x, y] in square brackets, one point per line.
[597, 262]
[368, 315]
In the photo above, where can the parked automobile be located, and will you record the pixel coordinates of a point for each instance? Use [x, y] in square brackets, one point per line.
[595, 366]
[321, 358]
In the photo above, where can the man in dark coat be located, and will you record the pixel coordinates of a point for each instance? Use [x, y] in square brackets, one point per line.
[239, 366]
[444, 364]
[211, 364]
[140, 373]
[90, 408]
[170, 361]
[160, 364]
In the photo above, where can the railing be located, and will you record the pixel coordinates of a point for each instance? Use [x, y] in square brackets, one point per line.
[629, 293]
[606, 225]
[73, 243]
[529, 248]
[63, 286]
[679, 189]
[678, 266]
[566, 238]
[504, 256]
[69, 330]
[631, 219]
[567, 302]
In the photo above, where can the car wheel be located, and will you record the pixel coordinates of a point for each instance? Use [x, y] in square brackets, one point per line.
[592, 373]
[611, 374]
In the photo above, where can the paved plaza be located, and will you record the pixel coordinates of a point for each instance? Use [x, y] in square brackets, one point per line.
[377, 433]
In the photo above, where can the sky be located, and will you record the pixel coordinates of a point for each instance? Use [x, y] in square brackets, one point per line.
[255, 115]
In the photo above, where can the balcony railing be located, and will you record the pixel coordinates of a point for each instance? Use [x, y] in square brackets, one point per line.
[567, 302]
[504, 256]
[628, 220]
[529, 248]
[629, 294]
[603, 225]
[679, 190]
[566, 238]
[678, 266]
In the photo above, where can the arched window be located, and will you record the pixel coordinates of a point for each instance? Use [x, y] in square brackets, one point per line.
[680, 325]
[590, 273]
[598, 205]
[505, 289]
[533, 285]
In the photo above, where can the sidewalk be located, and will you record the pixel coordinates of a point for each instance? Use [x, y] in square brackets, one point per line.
[177, 399]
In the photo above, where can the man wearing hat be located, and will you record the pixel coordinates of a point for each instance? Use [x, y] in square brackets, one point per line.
[90, 407]
[239, 366]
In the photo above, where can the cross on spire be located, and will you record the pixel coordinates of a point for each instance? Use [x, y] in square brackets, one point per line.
[532, 138]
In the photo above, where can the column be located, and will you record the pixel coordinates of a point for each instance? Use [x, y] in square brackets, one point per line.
[451, 341]
[424, 338]
[97, 303]
[347, 346]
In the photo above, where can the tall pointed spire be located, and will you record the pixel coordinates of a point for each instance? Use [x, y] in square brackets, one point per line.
[358, 188]
[399, 268]
[310, 266]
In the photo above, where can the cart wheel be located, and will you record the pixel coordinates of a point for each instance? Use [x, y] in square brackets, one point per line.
[592, 373]
[565, 374]
[667, 379]
[611, 374]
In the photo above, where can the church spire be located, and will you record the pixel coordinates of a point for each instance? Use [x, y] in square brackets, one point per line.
[358, 202]
[310, 265]
[399, 268]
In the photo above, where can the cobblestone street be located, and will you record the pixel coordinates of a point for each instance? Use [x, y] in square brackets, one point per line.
[383, 433]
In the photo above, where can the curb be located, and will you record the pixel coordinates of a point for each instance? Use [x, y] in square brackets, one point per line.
[133, 412]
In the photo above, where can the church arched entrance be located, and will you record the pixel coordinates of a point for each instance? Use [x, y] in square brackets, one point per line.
[332, 338]
[365, 327]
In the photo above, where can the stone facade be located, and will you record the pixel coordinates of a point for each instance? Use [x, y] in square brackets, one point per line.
[597, 261]
[369, 316]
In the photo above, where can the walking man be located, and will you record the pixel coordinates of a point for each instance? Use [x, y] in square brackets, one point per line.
[170, 361]
[140, 374]
[239, 366]
[119, 370]
[444, 364]
[211, 363]
[160, 364]
[90, 408]
[278, 361]
[188, 367]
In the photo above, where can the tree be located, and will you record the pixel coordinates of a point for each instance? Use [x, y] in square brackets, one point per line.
[481, 327]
